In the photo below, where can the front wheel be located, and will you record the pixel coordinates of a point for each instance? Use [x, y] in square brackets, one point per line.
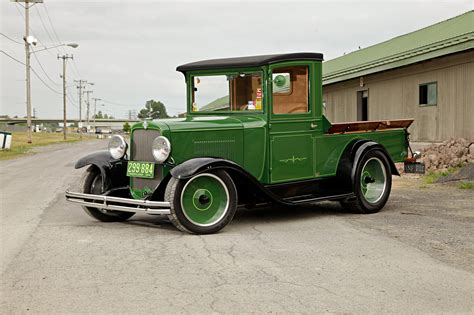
[91, 183]
[372, 183]
[203, 204]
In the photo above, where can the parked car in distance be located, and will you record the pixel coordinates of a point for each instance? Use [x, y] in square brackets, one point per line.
[254, 132]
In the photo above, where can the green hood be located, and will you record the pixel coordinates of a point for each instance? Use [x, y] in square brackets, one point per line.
[202, 122]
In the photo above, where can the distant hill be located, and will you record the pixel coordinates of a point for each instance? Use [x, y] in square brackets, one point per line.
[220, 103]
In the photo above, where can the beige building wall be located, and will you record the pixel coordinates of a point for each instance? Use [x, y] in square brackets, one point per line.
[395, 94]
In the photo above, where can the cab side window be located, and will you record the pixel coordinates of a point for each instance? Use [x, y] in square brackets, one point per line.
[291, 90]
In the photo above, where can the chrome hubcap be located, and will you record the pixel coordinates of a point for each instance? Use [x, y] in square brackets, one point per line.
[373, 180]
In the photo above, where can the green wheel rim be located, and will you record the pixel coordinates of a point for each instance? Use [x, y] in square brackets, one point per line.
[205, 199]
[373, 180]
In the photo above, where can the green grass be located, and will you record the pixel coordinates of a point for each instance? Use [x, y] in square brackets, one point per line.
[432, 177]
[466, 185]
[19, 145]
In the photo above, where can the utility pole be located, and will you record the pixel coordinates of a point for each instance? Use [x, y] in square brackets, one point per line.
[95, 108]
[28, 42]
[88, 107]
[64, 58]
[79, 87]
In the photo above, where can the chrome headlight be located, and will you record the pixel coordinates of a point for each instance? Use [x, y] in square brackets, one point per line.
[117, 147]
[161, 149]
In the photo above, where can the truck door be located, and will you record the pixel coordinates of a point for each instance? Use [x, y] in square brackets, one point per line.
[293, 122]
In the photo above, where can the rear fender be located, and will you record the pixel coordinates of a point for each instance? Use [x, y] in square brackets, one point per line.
[351, 156]
[113, 171]
[369, 146]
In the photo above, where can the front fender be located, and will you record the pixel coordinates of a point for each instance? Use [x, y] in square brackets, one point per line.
[113, 171]
[101, 159]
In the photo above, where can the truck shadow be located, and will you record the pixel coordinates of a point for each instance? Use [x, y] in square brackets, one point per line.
[276, 213]
[257, 214]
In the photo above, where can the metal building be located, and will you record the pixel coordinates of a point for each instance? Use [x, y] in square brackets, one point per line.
[427, 75]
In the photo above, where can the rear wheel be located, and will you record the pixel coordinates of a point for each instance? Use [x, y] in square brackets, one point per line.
[373, 182]
[203, 204]
[91, 183]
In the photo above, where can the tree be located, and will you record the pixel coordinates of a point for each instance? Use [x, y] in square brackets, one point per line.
[100, 115]
[154, 110]
[126, 127]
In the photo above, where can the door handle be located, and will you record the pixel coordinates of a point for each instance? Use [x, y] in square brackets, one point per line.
[314, 125]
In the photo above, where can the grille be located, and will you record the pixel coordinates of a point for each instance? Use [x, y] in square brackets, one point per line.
[141, 151]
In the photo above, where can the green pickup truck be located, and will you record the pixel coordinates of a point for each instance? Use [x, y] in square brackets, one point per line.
[254, 133]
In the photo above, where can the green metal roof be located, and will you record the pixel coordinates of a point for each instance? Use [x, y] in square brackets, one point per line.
[443, 38]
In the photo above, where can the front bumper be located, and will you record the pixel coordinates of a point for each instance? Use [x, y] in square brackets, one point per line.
[118, 203]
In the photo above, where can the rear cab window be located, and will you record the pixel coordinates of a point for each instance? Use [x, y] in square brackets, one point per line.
[290, 90]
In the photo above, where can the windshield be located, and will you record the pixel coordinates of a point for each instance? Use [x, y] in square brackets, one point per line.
[227, 92]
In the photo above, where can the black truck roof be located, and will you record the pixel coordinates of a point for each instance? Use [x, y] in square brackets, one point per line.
[249, 61]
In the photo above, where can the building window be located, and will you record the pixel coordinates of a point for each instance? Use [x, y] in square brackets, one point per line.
[429, 94]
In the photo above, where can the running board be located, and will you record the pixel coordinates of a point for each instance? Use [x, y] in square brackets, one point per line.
[311, 198]
[118, 203]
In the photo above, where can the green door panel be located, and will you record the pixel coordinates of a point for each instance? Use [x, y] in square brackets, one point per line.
[292, 157]
[292, 145]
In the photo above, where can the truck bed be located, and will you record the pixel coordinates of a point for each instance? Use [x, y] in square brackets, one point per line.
[358, 126]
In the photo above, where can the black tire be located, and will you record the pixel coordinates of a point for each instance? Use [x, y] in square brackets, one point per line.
[181, 217]
[362, 203]
[91, 183]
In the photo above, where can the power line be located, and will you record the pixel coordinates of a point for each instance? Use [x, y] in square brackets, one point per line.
[33, 70]
[37, 75]
[29, 27]
[44, 71]
[75, 67]
[11, 57]
[46, 29]
[115, 103]
[51, 23]
[71, 102]
[8, 37]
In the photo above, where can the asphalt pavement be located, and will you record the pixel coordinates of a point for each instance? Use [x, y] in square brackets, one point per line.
[55, 258]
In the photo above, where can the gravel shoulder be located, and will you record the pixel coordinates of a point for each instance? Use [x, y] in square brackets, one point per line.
[437, 219]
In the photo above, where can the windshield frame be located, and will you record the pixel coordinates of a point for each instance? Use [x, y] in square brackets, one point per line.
[201, 73]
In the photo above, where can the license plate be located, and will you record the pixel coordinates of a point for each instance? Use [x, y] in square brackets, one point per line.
[415, 167]
[141, 169]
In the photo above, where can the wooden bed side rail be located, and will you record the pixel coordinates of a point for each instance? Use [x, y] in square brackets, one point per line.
[372, 125]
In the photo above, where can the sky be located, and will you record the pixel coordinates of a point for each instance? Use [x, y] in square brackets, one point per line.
[130, 49]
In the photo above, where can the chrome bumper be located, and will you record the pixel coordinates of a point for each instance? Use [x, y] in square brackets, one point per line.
[118, 203]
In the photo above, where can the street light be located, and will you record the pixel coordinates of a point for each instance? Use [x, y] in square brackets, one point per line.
[30, 40]
[73, 45]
